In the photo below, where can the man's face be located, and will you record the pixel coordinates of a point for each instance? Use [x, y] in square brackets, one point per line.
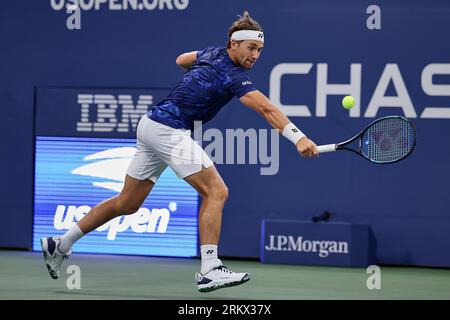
[247, 52]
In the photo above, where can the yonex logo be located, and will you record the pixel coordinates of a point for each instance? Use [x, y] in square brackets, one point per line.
[209, 251]
[260, 35]
[244, 83]
[294, 130]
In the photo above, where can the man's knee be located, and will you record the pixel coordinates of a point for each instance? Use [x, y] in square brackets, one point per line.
[224, 193]
[218, 192]
[129, 210]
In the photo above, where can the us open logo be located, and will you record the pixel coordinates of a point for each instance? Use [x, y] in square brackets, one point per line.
[110, 165]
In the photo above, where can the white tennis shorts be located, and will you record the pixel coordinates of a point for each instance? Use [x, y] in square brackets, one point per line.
[159, 146]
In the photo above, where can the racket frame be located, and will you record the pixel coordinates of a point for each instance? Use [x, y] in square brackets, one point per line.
[342, 145]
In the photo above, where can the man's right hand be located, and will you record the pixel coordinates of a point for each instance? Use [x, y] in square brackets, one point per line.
[307, 148]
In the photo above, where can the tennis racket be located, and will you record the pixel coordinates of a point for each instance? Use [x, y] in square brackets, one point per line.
[385, 140]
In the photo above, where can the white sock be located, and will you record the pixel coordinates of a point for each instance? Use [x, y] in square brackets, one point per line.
[69, 238]
[209, 258]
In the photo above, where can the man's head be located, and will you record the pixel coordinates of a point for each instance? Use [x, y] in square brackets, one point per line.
[245, 41]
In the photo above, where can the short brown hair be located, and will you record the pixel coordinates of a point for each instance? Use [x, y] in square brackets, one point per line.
[245, 22]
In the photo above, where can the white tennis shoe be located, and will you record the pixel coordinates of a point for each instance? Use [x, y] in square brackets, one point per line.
[220, 277]
[52, 256]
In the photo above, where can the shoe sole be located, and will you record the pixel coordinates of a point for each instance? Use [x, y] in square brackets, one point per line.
[225, 285]
[44, 252]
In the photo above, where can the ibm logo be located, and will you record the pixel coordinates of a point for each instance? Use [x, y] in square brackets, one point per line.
[111, 113]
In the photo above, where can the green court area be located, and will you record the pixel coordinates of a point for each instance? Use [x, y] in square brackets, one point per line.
[23, 275]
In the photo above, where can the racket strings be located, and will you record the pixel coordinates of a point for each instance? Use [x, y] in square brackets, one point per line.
[388, 140]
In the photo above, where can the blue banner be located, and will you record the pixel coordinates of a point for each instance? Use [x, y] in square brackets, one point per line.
[74, 174]
[303, 242]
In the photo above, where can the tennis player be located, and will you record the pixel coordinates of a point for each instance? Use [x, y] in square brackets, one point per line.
[213, 77]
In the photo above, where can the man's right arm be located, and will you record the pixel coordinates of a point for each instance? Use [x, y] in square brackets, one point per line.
[261, 104]
[186, 60]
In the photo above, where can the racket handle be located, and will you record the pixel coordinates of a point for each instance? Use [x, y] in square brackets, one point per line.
[326, 148]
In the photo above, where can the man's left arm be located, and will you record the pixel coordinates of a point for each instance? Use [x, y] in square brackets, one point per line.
[186, 60]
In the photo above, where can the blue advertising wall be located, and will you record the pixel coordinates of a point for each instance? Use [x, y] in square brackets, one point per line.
[74, 174]
[81, 160]
[315, 53]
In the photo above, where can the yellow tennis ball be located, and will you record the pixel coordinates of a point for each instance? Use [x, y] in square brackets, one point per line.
[348, 102]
